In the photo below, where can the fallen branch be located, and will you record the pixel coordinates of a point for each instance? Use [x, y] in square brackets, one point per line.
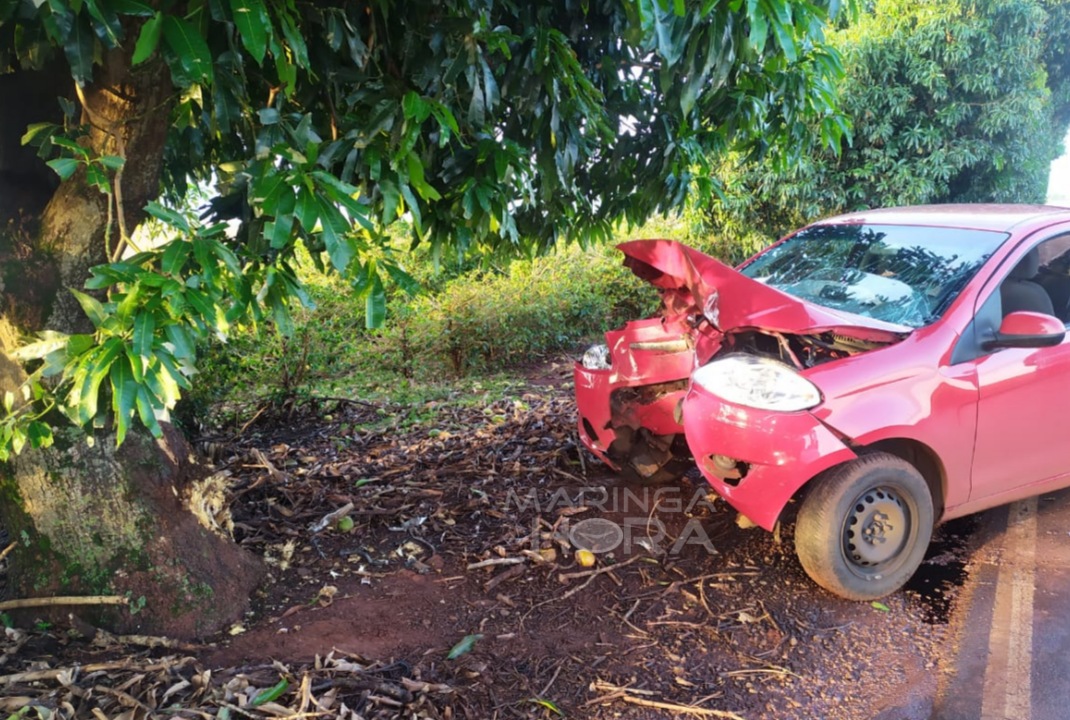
[628, 695]
[63, 600]
[510, 574]
[273, 471]
[497, 561]
[760, 671]
[106, 639]
[6, 551]
[418, 686]
[54, 673]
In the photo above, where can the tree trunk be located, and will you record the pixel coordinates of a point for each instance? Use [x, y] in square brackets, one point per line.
[87, 518]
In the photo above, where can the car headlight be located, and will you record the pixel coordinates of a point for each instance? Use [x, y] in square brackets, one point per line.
[597, 358]
[757, 382]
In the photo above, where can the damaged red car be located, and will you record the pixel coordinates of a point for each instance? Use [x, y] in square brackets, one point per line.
[888, 370]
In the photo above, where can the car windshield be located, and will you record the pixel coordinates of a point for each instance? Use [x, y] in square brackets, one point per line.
[901, 274]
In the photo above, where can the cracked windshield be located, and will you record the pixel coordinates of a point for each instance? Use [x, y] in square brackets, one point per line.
[898, 274]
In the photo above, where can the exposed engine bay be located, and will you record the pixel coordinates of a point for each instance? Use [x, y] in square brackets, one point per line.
[801, 351]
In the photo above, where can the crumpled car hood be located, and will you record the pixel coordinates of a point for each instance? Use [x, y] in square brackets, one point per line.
[740, 302]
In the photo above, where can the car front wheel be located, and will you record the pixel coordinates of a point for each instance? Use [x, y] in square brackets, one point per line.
[864, 528]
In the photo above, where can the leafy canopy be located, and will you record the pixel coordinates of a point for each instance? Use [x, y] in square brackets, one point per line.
[950, 102]
[480, 125]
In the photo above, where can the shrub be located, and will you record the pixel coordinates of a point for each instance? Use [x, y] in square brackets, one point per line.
[490, 321]
[472, 317]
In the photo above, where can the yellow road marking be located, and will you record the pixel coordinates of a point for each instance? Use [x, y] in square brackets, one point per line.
[1008, 688]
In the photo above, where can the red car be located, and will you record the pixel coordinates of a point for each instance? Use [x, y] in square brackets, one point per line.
[888, 369]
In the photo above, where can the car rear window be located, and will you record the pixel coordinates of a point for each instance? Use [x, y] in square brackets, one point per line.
[897, 273]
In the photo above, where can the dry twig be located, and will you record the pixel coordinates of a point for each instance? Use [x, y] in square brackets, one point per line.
[628, 695]
[62, 600]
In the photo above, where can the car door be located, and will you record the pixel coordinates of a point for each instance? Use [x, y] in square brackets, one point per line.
[1023, 408]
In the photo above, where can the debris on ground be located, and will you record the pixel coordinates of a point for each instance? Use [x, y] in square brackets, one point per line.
[430, 571]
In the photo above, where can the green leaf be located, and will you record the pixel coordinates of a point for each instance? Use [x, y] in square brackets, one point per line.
[465, 645]
[38, 129]
[70, 144]
[132, 7]
[783, 32]
[251, 19]
[334, 227]
[413, 207]
[305, 209]
[211, 313]
[148, 39]
[107, 26]
[129, 303]
[79, 344]
[64, 167]
[409, 285]
[268, 116]
[391, 198]
[174, 257]
[759, 26]
[548, 704]
[144, 327]
[415, 107]
[124, 390]
[280, 231]
[168, 216]
[190, 48]
[880, 606]
[78, 47]
[40, 434]
[39, 349]
[146, 411]
[224, 254]
[95, 366]
[294, 38]
[269, 185]
[91, 306]
[416, 178]
[270, 694]
[184, 348]
[280, 311]
[375, 304]
[179, 380]
[97, 178]
[112, 162]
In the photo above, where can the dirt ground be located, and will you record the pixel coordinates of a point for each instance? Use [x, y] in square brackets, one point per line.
[456, 591]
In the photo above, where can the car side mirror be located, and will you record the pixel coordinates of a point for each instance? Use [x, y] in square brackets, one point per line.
[1025, 329]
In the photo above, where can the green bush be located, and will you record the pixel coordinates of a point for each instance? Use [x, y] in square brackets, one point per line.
[472, 317]
[490, 321]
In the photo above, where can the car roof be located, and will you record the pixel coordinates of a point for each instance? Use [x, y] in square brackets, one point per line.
[1003, 218]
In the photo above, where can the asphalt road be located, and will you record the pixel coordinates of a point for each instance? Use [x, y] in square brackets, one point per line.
[1012, 648]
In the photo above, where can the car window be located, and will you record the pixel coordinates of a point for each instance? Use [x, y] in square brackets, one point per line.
[1040, 281]
[902, 274]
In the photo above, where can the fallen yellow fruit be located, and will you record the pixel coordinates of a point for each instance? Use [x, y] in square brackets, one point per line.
[585, 558]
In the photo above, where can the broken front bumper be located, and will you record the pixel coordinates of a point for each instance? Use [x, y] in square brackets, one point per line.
[757, 459]
[651, 361]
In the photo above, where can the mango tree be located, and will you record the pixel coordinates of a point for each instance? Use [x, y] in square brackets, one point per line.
[482, 124]
[950, 102]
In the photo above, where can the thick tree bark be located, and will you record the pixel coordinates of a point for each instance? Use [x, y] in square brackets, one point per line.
[87, 518]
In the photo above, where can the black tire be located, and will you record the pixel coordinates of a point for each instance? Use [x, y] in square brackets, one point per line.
[864, 527]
